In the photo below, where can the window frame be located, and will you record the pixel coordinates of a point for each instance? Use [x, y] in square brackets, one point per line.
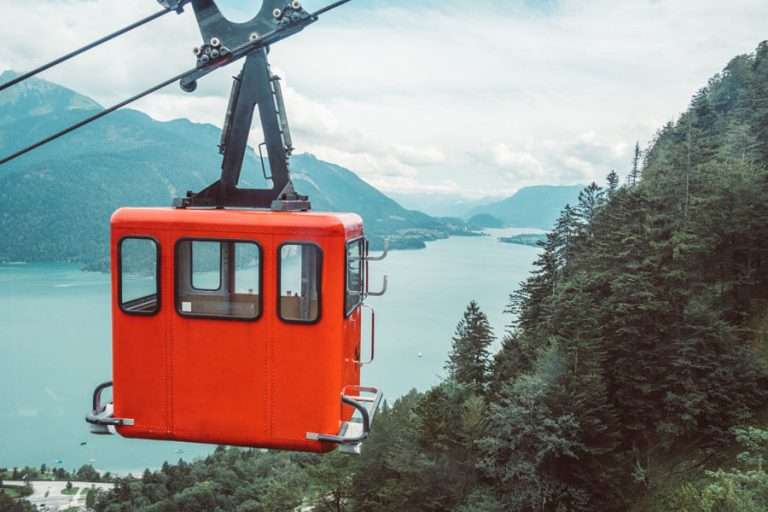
[158, 282]
[195, 316]
[363, 278]
[321, 261]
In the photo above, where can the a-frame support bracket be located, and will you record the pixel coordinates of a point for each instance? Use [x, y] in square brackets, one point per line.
[255, 88]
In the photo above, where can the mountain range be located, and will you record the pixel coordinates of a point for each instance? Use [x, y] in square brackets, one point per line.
[55, 202]
[530, 207]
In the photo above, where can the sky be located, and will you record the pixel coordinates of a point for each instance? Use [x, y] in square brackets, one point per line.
[464, 97]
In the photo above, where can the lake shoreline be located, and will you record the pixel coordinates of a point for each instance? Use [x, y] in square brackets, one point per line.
[405, 243]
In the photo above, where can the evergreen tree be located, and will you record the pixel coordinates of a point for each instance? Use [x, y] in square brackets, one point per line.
[565, 236]
[613, 183]
[511, 361]
[469, 360]
[591, 200]
[526, 443]
[634, 175]
[759, 107]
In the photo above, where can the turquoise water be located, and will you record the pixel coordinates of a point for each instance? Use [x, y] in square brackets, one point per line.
[55, 344]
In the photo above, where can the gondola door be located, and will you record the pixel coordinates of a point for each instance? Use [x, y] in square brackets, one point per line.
[220, 343]
[140, 380]
[306, 351]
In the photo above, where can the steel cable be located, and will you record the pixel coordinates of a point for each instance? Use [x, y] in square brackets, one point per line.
[87, 47]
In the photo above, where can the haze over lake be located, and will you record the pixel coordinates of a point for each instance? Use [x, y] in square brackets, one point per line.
[55, 344]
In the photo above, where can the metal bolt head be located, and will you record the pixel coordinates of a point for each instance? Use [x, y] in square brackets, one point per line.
[189, 87]
[215, 42]
[253, 37]
[215, 54]
[296, 5]
[196, 50]
[277, 13]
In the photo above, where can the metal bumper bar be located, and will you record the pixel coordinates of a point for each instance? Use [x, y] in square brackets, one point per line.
[365, 401]
[101, 416]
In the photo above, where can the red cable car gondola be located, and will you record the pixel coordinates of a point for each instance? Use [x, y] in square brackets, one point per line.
[237, 312]
[238, 327]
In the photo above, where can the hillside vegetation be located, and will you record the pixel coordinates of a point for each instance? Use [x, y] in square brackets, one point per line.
[634, 367]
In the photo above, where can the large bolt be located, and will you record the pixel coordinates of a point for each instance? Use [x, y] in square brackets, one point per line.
[215, 54]
[277, 13]
[296, 5]
[189, 86]
[215, 42]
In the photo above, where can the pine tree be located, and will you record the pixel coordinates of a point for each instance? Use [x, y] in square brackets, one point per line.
[529, 305]
[634, 175]
[759, 108]
[511, 361]
[469, 360]
[526, 444]
[613, 183]
[564, 237]
[591, 200]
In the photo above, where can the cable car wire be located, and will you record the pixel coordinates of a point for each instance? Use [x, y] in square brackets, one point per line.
[90, 46]
[94, 117]
[329, 7]
[232, 55]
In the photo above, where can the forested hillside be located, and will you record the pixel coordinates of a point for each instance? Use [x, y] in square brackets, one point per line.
[634, 363]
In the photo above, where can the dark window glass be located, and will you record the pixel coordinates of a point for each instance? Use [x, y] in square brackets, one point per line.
[353, 296]
[138, 280]
[300, 266]
[218, 278]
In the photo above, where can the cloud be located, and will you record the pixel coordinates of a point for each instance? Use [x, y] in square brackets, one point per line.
[426, 94]
[517, 164]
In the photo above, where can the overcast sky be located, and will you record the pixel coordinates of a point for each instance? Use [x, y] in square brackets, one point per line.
[475, 97]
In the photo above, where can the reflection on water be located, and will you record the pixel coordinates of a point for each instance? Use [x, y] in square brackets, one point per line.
[55, 344]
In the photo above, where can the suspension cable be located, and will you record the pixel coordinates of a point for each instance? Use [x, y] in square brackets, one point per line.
[327, 8]
[96, 116]
[92, 45]
[195, 73]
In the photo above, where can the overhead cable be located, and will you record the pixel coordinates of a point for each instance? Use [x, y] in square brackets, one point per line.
[89, 46]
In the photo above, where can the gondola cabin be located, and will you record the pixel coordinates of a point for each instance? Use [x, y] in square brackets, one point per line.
[238, 327]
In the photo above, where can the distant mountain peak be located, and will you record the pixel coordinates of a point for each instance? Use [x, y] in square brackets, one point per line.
[37, 97]
[531, 207]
